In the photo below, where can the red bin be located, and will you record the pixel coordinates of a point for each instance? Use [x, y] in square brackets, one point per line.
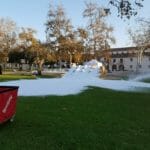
[8, 99]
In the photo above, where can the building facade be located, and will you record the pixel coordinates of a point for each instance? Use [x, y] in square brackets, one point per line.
[129, 59]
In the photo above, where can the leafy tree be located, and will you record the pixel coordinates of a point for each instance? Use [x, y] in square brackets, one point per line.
[32, 50]
[126, 8]
[71, 50]
[16, 55]
[26, 45]
[41, 56]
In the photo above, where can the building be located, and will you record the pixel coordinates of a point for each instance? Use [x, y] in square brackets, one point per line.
[129, 59]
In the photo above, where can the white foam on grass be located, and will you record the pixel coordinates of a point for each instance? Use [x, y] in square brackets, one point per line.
[75, 81]
[141, 77]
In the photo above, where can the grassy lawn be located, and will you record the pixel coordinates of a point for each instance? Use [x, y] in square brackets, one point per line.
[146, 80]
[96, 119]
[14, 77]
[10, 77]
[52, 75]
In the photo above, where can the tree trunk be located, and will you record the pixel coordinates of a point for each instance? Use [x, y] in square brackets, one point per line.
[40, 67]
[139, 59]
[70, 59]
[0, 70]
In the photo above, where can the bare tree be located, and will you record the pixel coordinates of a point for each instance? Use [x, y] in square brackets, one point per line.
[82, 37]
[57, 25]
[58, 29]
[141, 38]
[99, 32]
[8, 31]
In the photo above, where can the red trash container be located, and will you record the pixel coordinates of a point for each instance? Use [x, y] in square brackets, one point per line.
[8, 99]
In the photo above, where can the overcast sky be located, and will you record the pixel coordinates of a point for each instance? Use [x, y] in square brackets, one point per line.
[33, 13]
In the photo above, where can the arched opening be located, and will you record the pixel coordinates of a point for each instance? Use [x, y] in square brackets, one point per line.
[114, 67]
[121, 67]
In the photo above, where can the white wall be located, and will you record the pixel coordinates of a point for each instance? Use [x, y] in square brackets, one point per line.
[132, 65]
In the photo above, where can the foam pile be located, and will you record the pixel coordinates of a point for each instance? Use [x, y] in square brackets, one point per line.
[75, 81]
[89, 69]
[141, 77]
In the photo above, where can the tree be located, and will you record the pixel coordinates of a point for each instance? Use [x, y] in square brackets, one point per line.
[82, 37]
[16, 55]
[99, 33]
[58, 30]
[8, 32]
[126, 8]
[41, 56]
[33, 50]
[26, 44]
[71, 50]
[57, 25]
[141, 38]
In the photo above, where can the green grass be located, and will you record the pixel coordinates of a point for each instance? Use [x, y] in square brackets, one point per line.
[11, 77]
[52, 75]
[146, 80]
[97, 119]
[15, 77]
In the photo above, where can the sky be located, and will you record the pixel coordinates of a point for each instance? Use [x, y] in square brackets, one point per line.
[33, 13]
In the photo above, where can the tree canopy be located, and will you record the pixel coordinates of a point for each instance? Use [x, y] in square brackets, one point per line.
[126, 8]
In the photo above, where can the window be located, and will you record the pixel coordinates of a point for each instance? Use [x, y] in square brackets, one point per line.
[140, 66]
[131, 59]
[121, 67]
[121, 60]
[114, 60]
[131, 66]
[114, 67]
